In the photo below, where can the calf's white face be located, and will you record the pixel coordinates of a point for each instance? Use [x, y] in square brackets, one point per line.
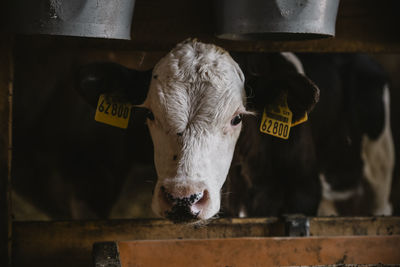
[196, 99]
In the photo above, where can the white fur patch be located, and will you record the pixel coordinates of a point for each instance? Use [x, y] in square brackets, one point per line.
[327, 208]
[242, 212]
[378, 156]
[329, 196]
[294, 60]
[333, 195]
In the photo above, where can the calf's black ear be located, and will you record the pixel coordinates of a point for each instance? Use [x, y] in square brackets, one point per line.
[302, 93]
[129, 85]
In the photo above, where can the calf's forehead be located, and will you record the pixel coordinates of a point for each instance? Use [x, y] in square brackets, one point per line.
[191, 62]
[196, 80]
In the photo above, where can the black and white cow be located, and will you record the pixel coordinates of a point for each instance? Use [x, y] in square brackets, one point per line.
[197, 101]
[352, 134]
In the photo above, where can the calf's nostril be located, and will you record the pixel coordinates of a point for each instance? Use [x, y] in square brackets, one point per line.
[203, 199]
[193, 199]
[168, 198]
[200, 203]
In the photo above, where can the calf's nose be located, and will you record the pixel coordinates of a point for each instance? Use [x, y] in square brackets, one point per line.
[183, 208]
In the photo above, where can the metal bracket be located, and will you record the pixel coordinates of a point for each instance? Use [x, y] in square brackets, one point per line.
[297, 225]
[106, 254]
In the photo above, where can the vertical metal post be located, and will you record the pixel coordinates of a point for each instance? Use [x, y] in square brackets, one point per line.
[6, 86]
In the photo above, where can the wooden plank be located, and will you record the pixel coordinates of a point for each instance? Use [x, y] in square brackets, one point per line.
[70, 243]
[5, 149]
[328, 226]
[362, 26]
[353, 265]
[261, 251]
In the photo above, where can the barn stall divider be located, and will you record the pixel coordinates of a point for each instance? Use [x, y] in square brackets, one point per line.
[362, 26]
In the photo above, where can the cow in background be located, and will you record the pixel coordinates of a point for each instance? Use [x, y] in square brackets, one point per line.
[356, 155]
[391, 64]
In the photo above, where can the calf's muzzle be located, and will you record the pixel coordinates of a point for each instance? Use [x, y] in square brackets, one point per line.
[180, 209]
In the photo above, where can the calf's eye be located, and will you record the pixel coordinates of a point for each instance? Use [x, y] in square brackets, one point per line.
[236, 120]
[150, 115]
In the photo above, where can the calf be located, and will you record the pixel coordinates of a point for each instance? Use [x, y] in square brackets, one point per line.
[196, 103]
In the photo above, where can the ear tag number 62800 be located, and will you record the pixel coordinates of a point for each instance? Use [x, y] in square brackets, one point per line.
[277, 121]
[113, 113]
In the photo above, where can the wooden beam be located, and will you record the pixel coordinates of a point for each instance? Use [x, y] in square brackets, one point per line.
[261, 251]
[324, 251]
[70, 243]
[343, 226]
[362, 26]
[5, 148]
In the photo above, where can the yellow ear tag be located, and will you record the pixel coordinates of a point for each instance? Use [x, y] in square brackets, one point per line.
[300, 121]
[113, 113]
[276, 120]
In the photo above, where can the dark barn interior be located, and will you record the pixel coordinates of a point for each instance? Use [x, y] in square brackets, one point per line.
[68, 181]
